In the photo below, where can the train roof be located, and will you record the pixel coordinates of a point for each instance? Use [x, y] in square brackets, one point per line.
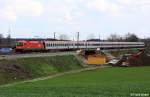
[94, 42]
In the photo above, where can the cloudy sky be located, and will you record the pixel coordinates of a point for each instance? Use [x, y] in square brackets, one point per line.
[30, 18]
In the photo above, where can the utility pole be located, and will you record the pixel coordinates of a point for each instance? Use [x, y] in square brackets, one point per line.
[99, 40]
[9, 38]
[99, 37]
[54, 35]
[78, 36]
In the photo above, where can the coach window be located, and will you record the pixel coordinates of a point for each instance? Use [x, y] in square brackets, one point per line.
[46, 44]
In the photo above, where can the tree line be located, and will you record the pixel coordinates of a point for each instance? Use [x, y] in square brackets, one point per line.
[129, 37]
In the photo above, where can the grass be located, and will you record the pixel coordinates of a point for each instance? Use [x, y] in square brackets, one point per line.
[106, 82]
[28, 68]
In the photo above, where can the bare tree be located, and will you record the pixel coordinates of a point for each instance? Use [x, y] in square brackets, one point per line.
[9, 40]
[1, 36]
[130, 37]
[114, 37]
[1, 40]
[146, 41]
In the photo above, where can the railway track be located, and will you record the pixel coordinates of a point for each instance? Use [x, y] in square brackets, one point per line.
[38, 54]
[17, 56]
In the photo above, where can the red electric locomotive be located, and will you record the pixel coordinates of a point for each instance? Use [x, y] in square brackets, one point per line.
[23, 46]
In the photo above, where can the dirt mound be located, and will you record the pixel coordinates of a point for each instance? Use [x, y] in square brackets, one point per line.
[9, 72]
[15, 69]
[141, 60]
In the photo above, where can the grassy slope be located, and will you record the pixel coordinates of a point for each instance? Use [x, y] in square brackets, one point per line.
[27, 68]
[106, 82]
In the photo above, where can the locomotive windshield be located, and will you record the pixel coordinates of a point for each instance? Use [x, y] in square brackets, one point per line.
[19, 44]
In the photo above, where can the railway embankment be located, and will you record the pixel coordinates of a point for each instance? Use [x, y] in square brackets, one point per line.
[15, 70]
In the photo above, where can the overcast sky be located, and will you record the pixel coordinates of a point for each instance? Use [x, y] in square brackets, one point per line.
[30, 18]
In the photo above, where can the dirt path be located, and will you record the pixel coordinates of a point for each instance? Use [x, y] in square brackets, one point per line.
[56, 75]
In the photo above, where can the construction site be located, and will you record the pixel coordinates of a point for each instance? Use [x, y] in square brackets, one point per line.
[138, 57]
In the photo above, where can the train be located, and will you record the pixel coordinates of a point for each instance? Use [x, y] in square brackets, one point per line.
[25, 45]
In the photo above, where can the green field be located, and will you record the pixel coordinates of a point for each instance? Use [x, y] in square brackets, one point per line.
[105, 82]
